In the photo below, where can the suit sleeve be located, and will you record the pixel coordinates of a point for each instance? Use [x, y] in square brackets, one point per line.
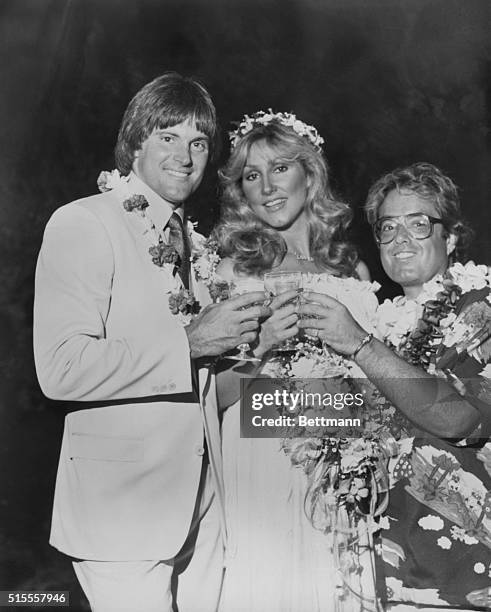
[74, 358]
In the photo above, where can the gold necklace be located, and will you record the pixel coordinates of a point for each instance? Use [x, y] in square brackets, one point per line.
[301, 257]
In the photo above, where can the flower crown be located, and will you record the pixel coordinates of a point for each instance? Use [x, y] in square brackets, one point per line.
[248, 123]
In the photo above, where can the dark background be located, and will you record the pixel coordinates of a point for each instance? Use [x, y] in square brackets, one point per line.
[386, 82]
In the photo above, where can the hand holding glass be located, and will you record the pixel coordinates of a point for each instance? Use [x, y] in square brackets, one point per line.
[276, 283]
[239, 287]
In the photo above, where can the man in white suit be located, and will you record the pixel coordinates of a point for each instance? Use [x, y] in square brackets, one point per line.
[137, 500]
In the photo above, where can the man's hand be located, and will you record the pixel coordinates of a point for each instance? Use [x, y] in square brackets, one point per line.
[221, 327]
[331, 321]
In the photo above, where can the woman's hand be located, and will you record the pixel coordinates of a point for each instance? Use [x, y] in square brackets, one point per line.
[326, 318]
[282, 323]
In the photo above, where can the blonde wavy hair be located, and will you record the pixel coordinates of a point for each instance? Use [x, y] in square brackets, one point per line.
[253, 246]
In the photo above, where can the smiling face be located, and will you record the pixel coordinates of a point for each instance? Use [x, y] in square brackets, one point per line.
[275, 189]
[408, 261]
[172, 161]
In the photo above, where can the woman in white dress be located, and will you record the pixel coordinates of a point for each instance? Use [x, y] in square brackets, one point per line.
[279, 214]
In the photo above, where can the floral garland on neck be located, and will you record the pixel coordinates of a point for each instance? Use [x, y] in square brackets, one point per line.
[204, 257]
[450, 318]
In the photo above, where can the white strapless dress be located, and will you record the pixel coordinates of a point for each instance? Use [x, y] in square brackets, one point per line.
[276, 561]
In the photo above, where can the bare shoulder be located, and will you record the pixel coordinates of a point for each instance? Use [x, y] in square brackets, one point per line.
[362, 271]
[225, 269]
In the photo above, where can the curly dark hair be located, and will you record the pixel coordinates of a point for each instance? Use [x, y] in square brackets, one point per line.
[429, 183]
[255, 247]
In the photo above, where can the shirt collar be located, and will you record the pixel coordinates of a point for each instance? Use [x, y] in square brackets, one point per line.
[159, 210]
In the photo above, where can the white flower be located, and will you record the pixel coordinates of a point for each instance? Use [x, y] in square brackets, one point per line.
[302, 368]
[274, 369]
[448, 320]
[108, 180]
[384, 522]
[287, 119]
[205, 266]
[299, 126]
[430, 289]
[470, 276]
[349, 462]
[456, 333]
[444, 542]
[198, 241]
[430, 522]
[459, 534]
[397, 318]
[115, 180]
[479, 568]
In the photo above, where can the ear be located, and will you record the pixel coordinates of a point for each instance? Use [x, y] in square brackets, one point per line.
[451, 243]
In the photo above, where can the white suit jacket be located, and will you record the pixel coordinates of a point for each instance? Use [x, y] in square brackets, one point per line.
[104, 335]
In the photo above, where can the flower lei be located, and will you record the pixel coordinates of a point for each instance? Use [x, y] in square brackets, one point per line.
[309, 447]
[347, 480]
[248, 123]
[205, 264]
[182, 302]
[450, 318]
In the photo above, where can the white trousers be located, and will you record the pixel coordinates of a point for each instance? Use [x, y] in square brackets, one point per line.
[190, 582]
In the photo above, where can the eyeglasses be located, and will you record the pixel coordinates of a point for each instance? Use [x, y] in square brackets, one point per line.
[418, 226]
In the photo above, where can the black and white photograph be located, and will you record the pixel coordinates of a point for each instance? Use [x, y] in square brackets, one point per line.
[246, 305]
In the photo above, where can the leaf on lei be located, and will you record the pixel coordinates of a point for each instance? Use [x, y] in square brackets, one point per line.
[162, 254]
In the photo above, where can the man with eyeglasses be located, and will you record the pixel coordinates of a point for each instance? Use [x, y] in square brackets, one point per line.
[417, 225]
[435, 553]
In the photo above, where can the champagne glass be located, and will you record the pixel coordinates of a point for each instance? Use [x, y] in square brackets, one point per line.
[240, 286]
[276, 283]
